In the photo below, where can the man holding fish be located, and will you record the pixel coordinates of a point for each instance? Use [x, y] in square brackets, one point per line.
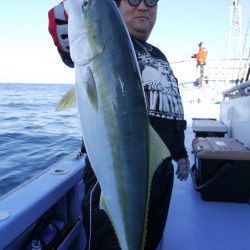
[125, 205]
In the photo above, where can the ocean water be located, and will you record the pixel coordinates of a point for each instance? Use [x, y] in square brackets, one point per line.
[32, 135]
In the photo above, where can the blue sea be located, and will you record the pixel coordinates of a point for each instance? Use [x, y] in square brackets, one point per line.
[32, 135]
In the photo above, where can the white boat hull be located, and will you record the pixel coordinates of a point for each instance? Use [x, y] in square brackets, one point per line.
[235, 114]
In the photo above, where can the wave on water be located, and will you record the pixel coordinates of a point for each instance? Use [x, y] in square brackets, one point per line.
[33, 136]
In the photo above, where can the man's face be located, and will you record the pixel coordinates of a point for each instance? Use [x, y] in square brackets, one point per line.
[139, 19]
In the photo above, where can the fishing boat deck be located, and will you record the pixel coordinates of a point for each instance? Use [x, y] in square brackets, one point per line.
[193, 224]
[196, 224]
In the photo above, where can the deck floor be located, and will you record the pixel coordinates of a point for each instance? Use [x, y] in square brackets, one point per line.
[194, 224]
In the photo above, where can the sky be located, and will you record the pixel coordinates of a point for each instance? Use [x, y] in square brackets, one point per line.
[28, 54]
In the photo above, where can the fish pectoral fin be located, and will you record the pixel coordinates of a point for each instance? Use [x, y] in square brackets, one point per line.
[67, 101]
[91, 88]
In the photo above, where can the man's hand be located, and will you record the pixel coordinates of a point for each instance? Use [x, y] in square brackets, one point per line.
[183, 168]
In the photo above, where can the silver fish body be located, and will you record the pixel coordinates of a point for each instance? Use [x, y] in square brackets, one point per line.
[113, 115]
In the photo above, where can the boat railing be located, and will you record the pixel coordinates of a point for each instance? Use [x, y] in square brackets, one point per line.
[52, 199]
[236, 91]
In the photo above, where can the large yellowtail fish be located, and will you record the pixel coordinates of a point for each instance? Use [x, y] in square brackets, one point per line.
[122, 147]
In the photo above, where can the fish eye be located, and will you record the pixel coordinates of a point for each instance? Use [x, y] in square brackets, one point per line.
[86, 4]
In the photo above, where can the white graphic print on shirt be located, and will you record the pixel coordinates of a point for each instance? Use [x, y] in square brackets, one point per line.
[161, 89]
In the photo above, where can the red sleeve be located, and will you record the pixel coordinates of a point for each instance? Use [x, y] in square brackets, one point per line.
[58, 27]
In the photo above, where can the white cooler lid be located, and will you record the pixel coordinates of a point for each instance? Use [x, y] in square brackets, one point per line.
[208, 125]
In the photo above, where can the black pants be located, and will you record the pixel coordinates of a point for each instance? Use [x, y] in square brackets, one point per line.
[99, 230]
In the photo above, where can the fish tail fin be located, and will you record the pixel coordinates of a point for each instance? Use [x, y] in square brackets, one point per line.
[103, 205]
[158, 152]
